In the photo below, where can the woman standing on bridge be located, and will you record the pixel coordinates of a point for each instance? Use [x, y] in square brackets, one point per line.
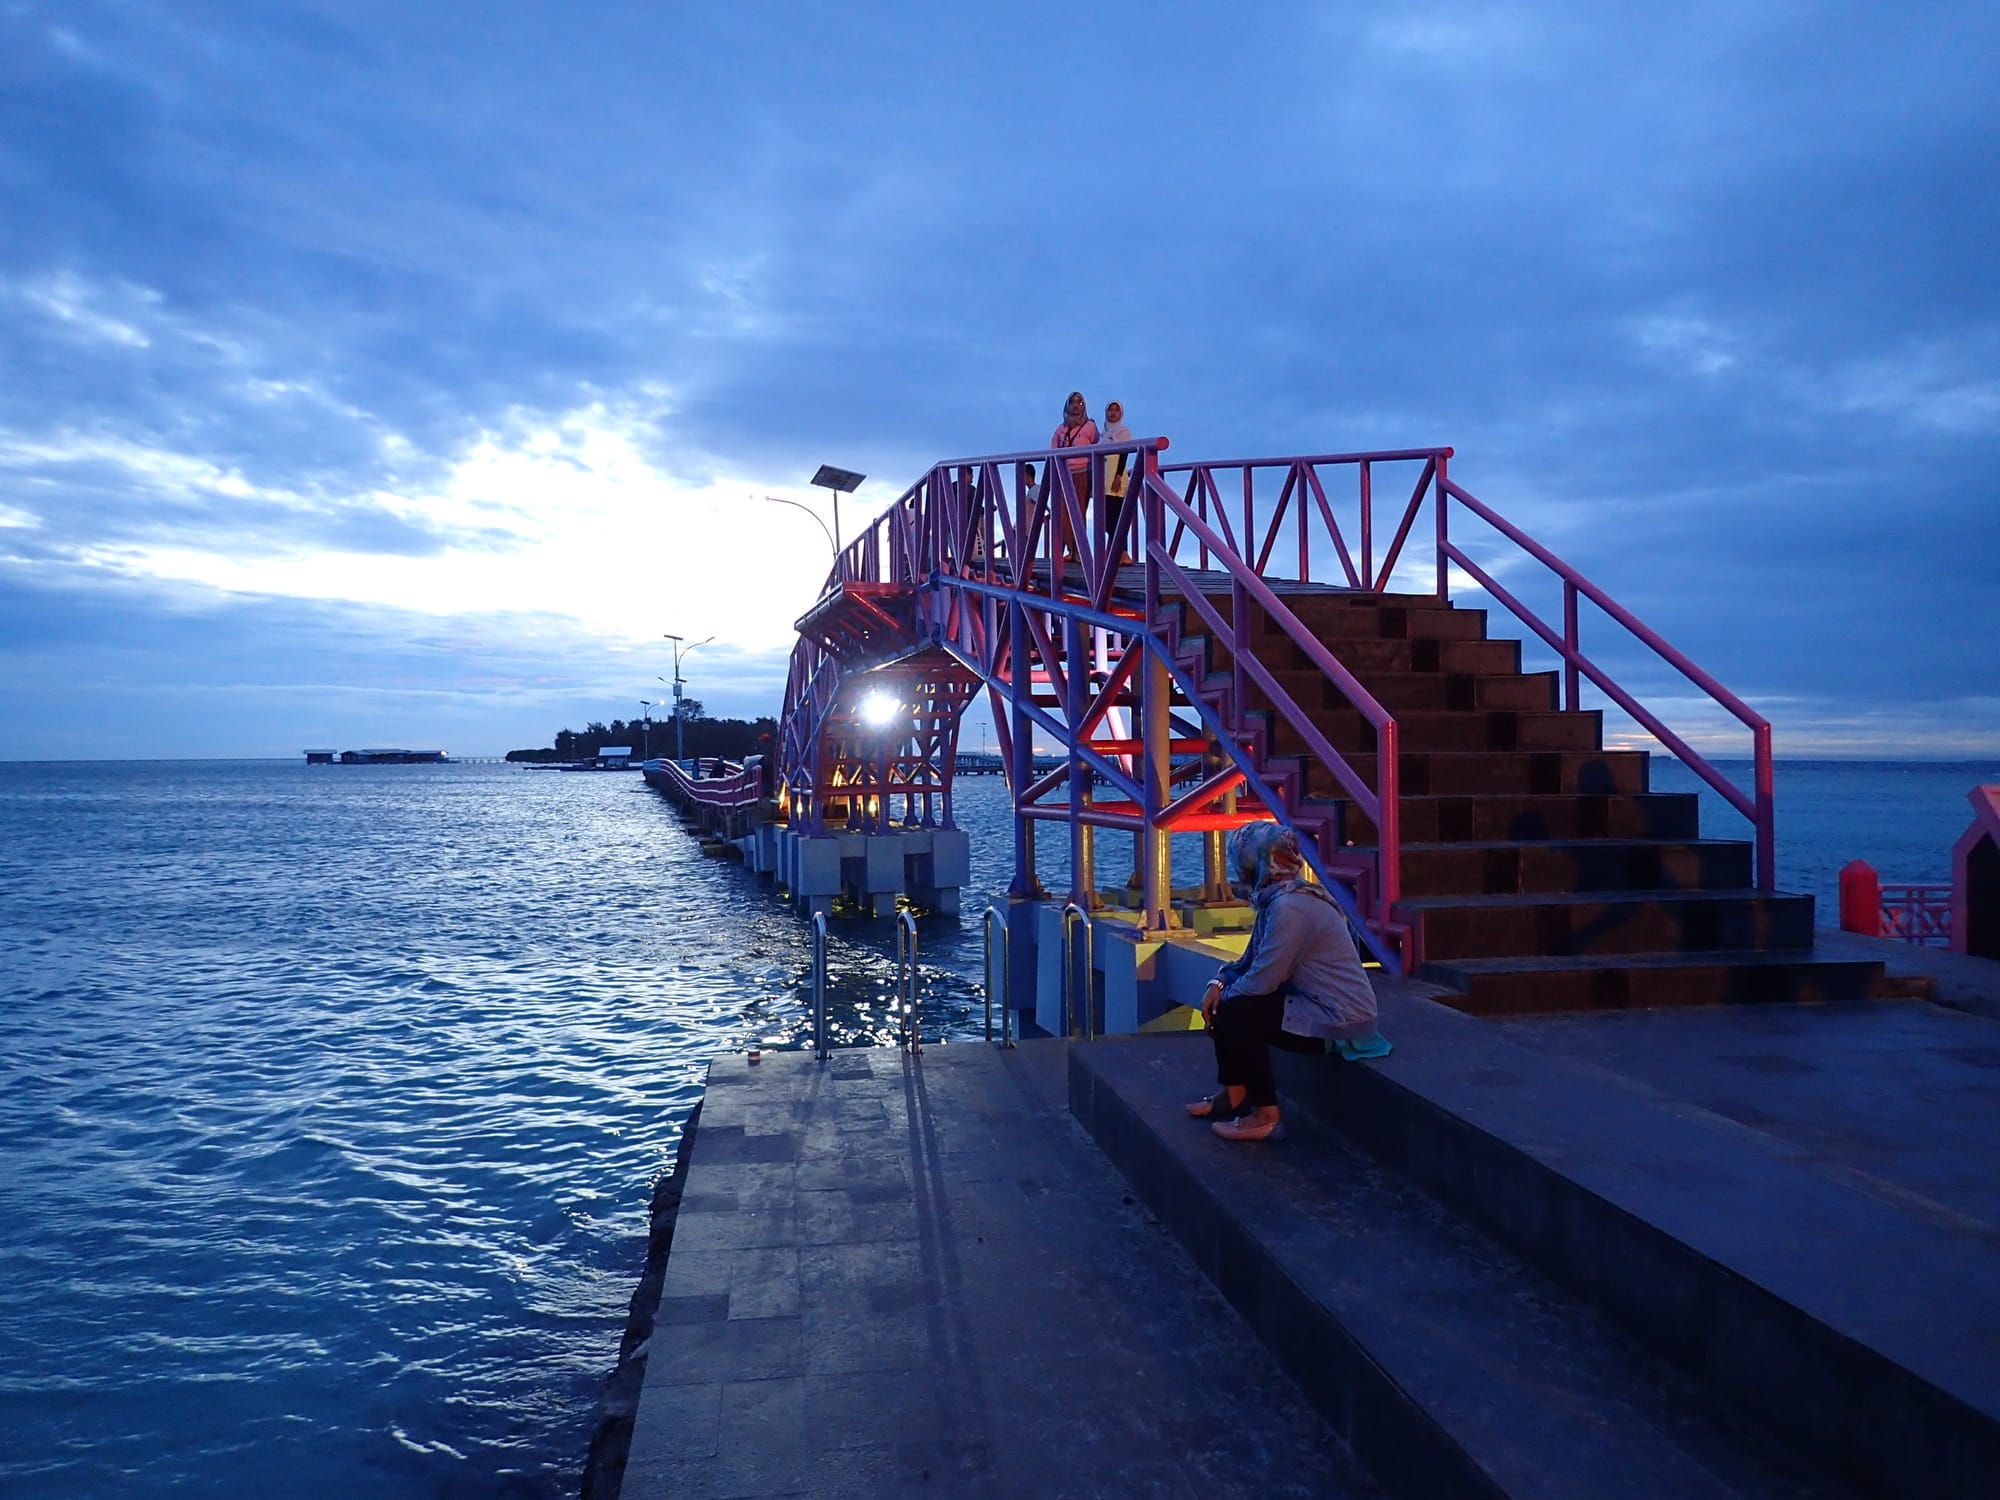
[1076, 430]
[1299, 986]
[1116, 476]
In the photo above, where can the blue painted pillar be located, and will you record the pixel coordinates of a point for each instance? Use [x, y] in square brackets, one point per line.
[1082, 837]
[1020, 688]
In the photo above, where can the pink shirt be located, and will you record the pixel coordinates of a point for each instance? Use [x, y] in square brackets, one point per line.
[1075, 437]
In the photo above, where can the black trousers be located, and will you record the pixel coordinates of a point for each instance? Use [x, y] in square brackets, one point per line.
[1244, 1031]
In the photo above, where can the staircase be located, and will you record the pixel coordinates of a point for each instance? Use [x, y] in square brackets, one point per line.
[1540, 870]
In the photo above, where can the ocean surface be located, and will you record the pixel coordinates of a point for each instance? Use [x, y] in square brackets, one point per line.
[331, 1099]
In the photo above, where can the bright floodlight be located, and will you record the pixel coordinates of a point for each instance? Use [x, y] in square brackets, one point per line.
[879, 710]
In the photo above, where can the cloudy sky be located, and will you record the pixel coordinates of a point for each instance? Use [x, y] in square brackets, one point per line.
[400, 373]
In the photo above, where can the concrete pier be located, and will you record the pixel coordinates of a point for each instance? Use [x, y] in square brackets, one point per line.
[1747, 1250]
[928, 865]
[901, 1276]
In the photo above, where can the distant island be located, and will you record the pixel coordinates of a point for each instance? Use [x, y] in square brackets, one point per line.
[733, 739]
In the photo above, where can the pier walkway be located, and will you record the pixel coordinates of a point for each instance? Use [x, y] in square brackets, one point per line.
[892, 1275]
[1731, 1250]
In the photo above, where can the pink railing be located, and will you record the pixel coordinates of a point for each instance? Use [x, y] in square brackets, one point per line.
[1918, 914]
[1235, 497]
[731, 786]
[1297, 534]
[1382, 803]
[978, 527]
[960, 521]
[1758, 804]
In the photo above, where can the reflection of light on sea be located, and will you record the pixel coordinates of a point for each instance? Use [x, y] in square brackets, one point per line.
[406, 1112]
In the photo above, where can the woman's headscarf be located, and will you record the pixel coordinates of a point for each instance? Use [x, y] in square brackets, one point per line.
[1261, 853]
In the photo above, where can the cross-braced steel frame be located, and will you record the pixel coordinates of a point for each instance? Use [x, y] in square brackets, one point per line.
[1136, 632]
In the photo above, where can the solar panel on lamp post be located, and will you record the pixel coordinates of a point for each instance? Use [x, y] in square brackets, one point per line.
[840, 482]
[680, 651]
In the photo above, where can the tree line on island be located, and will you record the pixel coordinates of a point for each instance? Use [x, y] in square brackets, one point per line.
[732, 739]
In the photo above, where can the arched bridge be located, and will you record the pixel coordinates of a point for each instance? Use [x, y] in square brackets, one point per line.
[1209, 643]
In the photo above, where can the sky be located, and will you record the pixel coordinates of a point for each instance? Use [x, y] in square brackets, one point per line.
[401, 374]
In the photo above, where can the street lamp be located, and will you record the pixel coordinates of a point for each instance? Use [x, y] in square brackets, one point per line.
[840, 482]
[680, 748]
[778, 500]
[646, 733]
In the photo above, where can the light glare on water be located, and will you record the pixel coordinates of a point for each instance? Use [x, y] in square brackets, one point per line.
[333, 1100]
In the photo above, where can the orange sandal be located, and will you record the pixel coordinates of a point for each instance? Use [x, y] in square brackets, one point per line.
[1249, 1129]
[1217, 1107]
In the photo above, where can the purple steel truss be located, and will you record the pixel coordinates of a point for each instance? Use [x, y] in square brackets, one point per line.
[1126, 631]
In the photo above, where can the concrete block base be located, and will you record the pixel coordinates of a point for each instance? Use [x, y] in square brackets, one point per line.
[928, 865]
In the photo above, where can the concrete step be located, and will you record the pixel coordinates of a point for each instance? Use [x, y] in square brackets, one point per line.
[1332, 618]
[1449, 773]
[1365, 657]
[1542, 985]
[1563, 924]
[1402, 692]
[1451, 1366]
[1564, 817]
[1858, 1322]
[1316, 601]
[1581, 865]
[1495, 729]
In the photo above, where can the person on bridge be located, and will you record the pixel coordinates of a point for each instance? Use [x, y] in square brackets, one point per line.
[1076, 430]
[1299, 986]
[1117, 468]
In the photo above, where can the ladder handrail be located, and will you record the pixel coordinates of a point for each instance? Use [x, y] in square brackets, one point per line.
[1072, 912]
[906, 981]
[1006, 951]
[821, 1051]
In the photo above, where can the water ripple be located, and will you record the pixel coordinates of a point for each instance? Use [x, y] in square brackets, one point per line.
[333, 1100]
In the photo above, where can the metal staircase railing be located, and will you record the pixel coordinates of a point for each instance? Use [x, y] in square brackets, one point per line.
[1026, 585]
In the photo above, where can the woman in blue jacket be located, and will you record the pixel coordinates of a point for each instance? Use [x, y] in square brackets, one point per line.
[1299, 986]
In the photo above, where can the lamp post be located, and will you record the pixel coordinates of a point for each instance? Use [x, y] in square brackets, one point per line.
[840, 482]
[779, 500]
[680, 651]
[646, 732]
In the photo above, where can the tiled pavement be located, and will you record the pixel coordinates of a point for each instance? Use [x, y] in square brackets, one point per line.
[892, 1276]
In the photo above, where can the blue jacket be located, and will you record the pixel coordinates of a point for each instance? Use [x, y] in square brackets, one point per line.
[1300, 947]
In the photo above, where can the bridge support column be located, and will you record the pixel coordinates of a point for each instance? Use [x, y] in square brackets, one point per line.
[1082, 836]
[1021, 769]
[1215, 845]
[1156, 865]
[874, 873]
[1023, 946]
[940, 864]
[809, 865]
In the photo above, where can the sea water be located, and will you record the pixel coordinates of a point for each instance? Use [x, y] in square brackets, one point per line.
[331, 1098]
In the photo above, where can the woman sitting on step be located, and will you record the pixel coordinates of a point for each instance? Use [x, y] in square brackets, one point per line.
[1299, 986]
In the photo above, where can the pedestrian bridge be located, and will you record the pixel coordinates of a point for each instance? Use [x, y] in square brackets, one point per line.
[1304, 639]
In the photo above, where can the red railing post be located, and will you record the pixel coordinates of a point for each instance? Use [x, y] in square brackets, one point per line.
[1247, 545]
[1572, 648]
[1442, 501]
[1239, 637]
[1305, 553]
[1389, 820]
[1367, 528]
[1767, 816]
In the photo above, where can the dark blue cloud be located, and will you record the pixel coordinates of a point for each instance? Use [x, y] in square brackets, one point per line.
[1704, 296]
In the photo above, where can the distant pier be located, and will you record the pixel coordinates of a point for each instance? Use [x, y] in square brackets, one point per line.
[379, 756]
